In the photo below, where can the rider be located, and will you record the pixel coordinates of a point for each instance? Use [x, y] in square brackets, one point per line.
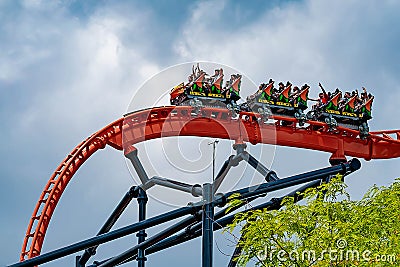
[361, 101]
[215, 76]
[343, 101]
[190, 80]
[281, 87]
[294, 95]
[366, 97]
[276, 92]
[230, 82]
[323, 98]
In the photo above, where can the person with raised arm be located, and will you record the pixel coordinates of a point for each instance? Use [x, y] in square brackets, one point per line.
[322, 100]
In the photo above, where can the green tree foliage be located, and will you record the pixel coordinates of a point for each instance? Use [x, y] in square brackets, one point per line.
[325, 229]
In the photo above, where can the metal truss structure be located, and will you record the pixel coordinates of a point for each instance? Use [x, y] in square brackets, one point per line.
[201, 219]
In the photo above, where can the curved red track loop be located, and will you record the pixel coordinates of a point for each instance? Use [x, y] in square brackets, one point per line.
[217, 123]
[110, 135]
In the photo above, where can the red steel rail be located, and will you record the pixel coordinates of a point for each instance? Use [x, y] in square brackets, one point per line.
[167, 121]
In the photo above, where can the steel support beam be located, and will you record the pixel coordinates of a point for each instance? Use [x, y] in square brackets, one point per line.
[232, 161]
[195, 190]
[103, 238]
[344, 168]
[133, 252]
[187, 234]
[133, 192]
[208, 220]
[133, 157]
[142, 201]
[268, 174]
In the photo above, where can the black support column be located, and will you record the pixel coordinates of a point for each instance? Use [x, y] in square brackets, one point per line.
[142, 201]
[208, 220]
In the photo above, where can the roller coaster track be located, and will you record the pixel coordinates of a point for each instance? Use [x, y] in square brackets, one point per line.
[167, 121]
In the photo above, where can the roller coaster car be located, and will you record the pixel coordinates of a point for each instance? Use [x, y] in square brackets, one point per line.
[266, 103]
[201, 92]
[348, 116]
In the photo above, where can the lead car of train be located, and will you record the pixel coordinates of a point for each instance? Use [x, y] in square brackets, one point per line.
[336, 109]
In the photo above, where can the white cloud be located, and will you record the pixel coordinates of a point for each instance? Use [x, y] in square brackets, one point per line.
[305, 42]
[84, 73]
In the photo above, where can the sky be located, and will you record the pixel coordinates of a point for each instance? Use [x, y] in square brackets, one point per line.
[68, 68]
